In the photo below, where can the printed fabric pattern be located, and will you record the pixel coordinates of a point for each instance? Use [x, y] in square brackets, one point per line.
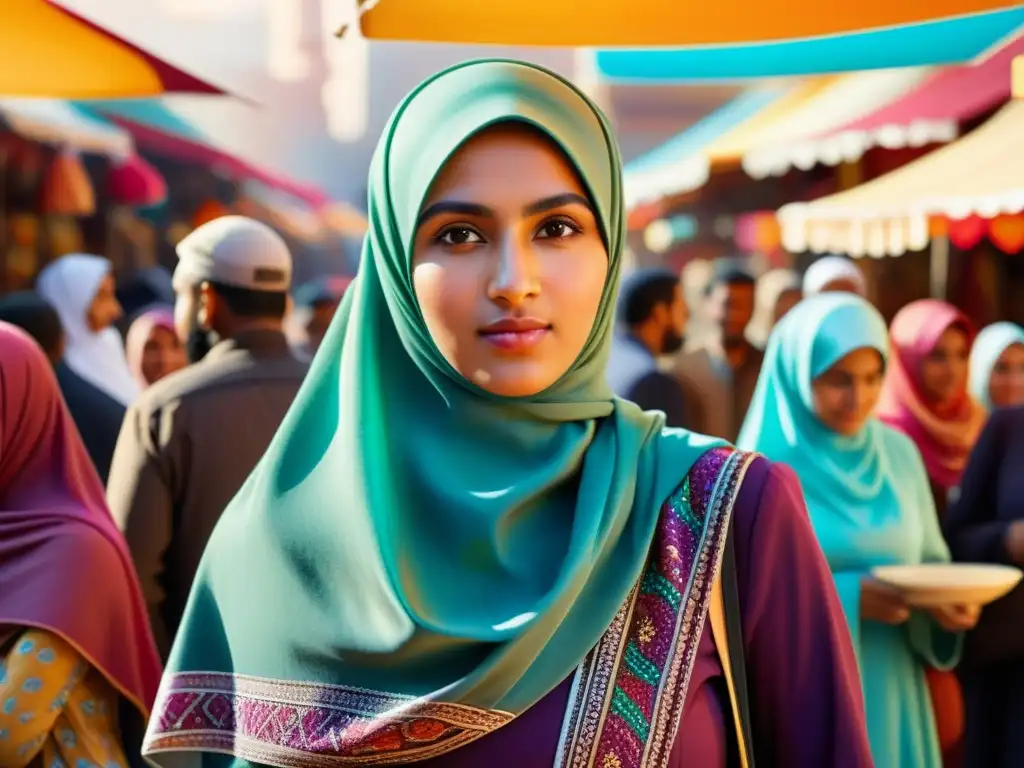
[53, 705]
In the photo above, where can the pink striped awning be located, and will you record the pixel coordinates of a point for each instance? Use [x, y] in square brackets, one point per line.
[930, 113]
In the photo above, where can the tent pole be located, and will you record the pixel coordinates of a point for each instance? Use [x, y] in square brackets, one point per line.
[939, 263]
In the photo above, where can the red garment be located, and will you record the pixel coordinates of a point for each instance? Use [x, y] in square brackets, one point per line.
[944, 439]
[63, 563]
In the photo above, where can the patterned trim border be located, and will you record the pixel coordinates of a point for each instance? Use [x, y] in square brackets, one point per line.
[306, 725]
[626, 701]
[628, 695]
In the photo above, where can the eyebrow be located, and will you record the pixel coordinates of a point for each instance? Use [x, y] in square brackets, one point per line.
[475, 209]
[556, 201]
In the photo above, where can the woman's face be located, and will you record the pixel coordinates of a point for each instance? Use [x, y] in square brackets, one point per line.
[163, 354]
[944, 369]
[1006, 385]
[846, 394]
[105, 308]
[509, 264]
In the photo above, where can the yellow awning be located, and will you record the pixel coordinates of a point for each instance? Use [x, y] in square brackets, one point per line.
[762, 145]
[47, 52]
[607, 23]
[981, 174]
[731, 146]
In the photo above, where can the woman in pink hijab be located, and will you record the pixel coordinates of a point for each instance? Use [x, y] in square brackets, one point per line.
[925, 396]
[152, 347]
[75, 643]
[925, 392]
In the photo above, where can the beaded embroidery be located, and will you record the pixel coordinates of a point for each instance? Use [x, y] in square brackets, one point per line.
[628, 695]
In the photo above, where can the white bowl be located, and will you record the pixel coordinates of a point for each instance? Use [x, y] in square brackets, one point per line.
[931, 585]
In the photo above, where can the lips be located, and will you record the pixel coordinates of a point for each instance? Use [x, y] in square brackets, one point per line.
[515, 335]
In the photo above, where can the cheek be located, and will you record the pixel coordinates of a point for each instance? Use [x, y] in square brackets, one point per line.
[448, 298]
[931, 375]
[184, 316]
[834, 401]
[823, 400]
[574, 287]
[872, 396]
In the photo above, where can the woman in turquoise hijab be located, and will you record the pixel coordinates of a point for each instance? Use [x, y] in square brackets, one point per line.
[870, 505]
[460, 549]
[996, 377]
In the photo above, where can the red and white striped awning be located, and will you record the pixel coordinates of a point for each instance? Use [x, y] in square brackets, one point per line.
[929, 113]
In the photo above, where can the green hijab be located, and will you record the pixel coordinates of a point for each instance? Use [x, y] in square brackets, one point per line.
[407, 532]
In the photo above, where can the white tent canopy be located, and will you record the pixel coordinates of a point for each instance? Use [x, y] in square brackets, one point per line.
[51, 121]
[980, 174]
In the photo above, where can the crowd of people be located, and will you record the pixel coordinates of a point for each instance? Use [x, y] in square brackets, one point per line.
[500, 510]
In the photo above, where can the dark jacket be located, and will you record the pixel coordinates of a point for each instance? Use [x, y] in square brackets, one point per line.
[188, 444]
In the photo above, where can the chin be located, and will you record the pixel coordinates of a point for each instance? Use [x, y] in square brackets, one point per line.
[512, 381]
[848, 430]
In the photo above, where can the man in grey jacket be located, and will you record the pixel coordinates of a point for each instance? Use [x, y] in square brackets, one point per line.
[190, 441]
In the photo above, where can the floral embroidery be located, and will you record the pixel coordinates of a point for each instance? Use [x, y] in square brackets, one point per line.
[645, 630]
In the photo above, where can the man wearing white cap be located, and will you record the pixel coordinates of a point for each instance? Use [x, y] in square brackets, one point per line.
[191, 440]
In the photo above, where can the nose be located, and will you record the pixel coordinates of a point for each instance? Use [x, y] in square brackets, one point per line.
[516, 275]
[860, 397]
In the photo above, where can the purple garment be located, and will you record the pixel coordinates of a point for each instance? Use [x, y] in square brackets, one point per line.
[805, 695]
[992, 670]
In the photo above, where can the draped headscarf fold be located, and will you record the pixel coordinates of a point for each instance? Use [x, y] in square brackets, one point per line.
[417, 537]
[69, 284]
[64, 565]
[985, 352]
[944, 439]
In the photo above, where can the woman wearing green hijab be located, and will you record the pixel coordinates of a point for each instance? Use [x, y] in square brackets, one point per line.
[870, 504]
[461, 549]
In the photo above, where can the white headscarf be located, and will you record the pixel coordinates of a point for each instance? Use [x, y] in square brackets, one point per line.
[829, 269]
[69, 284]
[988, 347]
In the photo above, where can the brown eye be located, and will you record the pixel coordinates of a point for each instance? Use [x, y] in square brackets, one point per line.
[557, 229]
[459, 236]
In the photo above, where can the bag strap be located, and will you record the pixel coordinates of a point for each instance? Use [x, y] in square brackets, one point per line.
[727, 630]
